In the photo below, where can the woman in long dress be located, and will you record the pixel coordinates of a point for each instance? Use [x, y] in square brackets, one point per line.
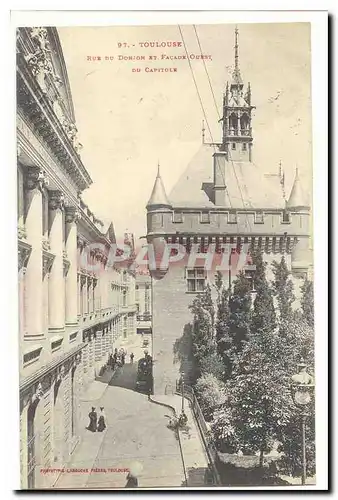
[101, 425]
[92, 420]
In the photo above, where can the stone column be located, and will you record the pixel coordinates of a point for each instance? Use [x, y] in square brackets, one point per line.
[56, 300]
[71, 280]
[35, 181]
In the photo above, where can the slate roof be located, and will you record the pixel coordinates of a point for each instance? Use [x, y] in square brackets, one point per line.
[247, 186]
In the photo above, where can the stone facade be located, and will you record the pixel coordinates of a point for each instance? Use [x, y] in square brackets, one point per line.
[221, 199]
[143, 303]
[74, 307]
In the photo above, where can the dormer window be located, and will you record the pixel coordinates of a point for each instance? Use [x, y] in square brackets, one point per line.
[177, 217]
[232, 218]
[259, 217]
[205, 217]
[286, 218]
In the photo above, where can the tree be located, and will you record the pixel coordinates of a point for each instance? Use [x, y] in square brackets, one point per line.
[282, 287]
[307, 302]
[203, 340]
[210, 393]
[263, 316]
[223, 339]
[260, 410]
[240, 311]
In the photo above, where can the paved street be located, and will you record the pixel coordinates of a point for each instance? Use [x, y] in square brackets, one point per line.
[136, 432]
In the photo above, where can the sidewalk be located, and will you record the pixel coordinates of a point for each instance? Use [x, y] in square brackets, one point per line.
[194, 456]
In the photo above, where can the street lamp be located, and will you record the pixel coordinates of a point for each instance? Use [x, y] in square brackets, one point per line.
[302, 387]
[182, 390]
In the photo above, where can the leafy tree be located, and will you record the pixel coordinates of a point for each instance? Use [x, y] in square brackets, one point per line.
[260, 410]
[307, 301]
[263, 316]
[203, 341]
[240, 311]
[223, 339]
[282, 287]
[218, 284]
[210, 393]
[213, 364]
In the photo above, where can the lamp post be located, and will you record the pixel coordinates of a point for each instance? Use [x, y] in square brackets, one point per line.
[182, 389]
[301, 390]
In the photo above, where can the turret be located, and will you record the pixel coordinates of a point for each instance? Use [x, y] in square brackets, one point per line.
[298, 207]
[156, 206]
[297, 199]
[158, 197]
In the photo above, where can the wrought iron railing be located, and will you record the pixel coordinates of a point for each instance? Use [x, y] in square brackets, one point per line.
[211, 451]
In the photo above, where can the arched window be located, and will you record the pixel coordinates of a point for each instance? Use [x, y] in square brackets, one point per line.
[233, 124]
[244, 120]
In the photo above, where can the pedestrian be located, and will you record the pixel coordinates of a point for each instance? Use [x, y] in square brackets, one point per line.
[123, 358]
[101, 425]
[115, 356]
[92, 420]
[183, 419]
[113, 363]
[110, 361]
[131, 357]
[132, 481]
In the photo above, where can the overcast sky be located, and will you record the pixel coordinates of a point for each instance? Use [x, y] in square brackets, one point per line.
[128, 121]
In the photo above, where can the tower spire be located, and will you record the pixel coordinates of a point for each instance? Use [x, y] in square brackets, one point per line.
[203, 132]
[236, 75]
[158, 197]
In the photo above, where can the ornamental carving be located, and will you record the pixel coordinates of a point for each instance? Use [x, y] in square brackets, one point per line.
[40, 61]
[47, 262]
[24, 251]
[66, 266]
[56, 200]
[45, 244]
[35, 178]
[83, 280]
[72, 215]
[71, 131]
[21, 233]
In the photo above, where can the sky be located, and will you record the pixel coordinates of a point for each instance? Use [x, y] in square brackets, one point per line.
[128, 121]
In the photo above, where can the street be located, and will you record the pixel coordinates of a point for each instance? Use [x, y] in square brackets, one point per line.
[136, 433]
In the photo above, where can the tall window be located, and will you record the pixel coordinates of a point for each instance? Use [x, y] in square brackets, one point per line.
[124, 298]
[31, 446]
[146, 300]
[196, 279]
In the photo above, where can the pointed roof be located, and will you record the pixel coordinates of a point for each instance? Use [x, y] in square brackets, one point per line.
[110, 234]
[158, 196]
[297, 197]
[194, 189]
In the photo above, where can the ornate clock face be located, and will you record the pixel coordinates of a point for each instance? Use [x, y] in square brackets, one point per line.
[302, 397]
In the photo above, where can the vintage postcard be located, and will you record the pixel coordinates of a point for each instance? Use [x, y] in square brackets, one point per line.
[165, 255]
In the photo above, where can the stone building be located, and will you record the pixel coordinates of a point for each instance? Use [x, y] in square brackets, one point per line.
[143, 303]
[74, 307]
[221, 198]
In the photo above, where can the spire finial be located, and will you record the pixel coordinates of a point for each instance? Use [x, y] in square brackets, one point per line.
[203, 132]
[297, 172]
[236, 48]
[236, 75]
[280, 168]
[158, 168]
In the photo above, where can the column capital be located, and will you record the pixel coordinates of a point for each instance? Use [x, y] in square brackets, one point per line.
[56, 200]
[35, 178]
[72, 214]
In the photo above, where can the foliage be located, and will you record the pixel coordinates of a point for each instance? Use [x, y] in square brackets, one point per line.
[203, 341]
[263, 316]
[223, 338]
[210, 393]
[212, 363]
[260, 409]
[240, 311]
[307, 302]
[282, 287]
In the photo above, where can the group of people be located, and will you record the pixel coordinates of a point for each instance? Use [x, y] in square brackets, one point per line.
[97, 423]
[118, 358]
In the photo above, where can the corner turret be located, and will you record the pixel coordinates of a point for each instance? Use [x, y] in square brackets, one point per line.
[158, 197]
